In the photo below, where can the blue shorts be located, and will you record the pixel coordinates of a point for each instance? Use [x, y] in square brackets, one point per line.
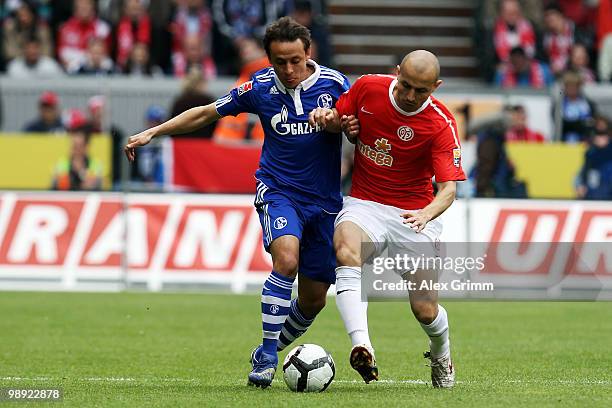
[313, 225]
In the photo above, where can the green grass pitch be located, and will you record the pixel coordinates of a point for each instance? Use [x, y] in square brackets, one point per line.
[178, 350]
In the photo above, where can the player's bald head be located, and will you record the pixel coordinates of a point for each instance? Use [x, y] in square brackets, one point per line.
[417, 78]
[422, 64]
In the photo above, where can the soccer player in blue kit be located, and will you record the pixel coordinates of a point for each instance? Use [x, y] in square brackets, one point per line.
[298, 181]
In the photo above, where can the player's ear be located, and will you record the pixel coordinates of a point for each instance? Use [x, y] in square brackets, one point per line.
[438, 83]
[397, 70]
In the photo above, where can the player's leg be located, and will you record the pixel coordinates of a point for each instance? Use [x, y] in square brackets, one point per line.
[275, 307]
[310, 301]
[282, 230]
[424, 303]
[434, 321]
[316, 273]
[348, 240]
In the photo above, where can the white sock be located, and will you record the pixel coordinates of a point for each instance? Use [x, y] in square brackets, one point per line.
[353, 310]
[438, 334]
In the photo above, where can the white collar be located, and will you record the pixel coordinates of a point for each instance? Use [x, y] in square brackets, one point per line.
[305, 84]
[400, 110]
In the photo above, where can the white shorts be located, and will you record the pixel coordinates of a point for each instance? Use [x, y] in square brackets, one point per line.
[383, 225]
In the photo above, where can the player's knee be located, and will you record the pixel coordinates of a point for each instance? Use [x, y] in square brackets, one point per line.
[286, 264]
[425, 312]
[346, 255]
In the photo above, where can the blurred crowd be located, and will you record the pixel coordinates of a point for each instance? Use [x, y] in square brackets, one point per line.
[530, 43]
[44, 38]
[538, 44]
[492, 173]
[53, 118]
[527, 43]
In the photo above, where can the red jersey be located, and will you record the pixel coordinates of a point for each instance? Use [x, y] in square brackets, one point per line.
[130, 33]
[73, 37]
[397, 152]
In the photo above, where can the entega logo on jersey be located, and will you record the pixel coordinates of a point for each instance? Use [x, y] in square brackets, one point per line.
[280, 125]
[379, 155]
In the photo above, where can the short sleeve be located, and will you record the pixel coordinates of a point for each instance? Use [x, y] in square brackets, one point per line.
[446, 155]
[238, 100]
[345, 85]
[347, 102]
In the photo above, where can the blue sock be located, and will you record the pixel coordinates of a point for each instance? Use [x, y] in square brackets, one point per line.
[275, 305]
[295, 325]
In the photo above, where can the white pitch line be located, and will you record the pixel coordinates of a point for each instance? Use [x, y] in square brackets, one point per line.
[420, 382]
[382, 381]
[473, 382]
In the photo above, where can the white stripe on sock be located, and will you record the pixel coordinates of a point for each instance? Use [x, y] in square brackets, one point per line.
[271, 319]
[273, 300]
[270, 334]
[287, 335]
[278, 282]
[295, 324]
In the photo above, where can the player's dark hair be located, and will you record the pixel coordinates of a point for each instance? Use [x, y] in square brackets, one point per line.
[286, 29]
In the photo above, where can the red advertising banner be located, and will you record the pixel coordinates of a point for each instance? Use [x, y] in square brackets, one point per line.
[158, 239]
[160, 235]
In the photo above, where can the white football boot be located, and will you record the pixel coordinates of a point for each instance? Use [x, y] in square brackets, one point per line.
[442, 371]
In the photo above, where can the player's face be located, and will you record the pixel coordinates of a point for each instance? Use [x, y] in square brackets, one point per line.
[412, 89]
[289, 62]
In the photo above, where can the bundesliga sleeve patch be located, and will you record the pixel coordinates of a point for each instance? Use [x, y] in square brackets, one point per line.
[457, 157]
[244, 88]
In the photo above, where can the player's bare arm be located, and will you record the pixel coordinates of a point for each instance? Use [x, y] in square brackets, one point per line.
[330, 120]
[192, 119]
[417, 220]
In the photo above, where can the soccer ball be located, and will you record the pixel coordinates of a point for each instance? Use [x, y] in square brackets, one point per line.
[308, 368]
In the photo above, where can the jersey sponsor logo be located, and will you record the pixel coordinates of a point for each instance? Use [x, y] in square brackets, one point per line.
[244, 88]
[382, 145]
[273, 90]
[457, 157]
[324, 101]
[280, 223]
[405, 133]
[280, 125]
[380, 154]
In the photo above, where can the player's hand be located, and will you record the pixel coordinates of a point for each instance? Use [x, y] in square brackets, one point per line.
[321, 117]
[417, 220]
[350, 127]
[135, 141]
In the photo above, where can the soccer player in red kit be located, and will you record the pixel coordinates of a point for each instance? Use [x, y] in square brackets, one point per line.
[406, 137]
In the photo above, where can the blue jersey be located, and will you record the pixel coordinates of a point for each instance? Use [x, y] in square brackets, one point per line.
[296, 158]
